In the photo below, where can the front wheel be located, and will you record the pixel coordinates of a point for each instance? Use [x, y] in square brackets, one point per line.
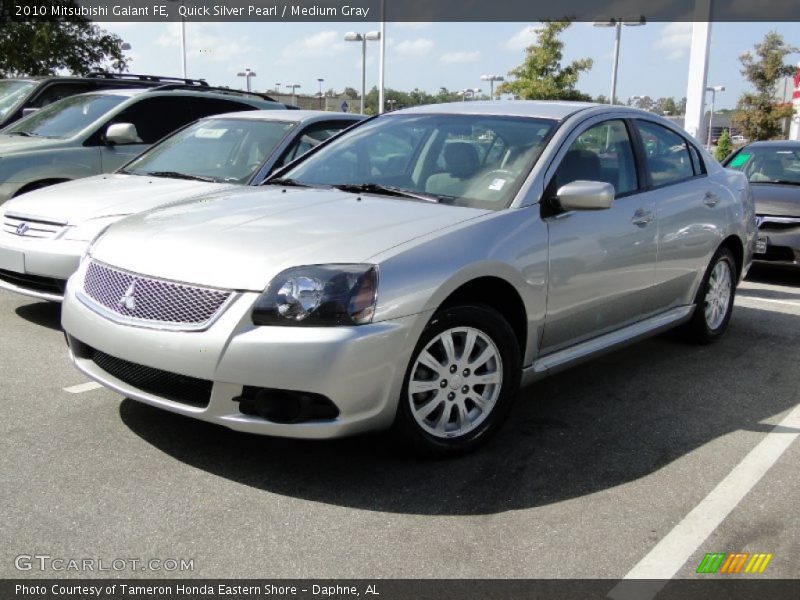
[714, 302]
[460, 382]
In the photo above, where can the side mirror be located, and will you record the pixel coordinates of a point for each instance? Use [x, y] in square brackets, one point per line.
[586, 195]
[29, 111]
[122, 133]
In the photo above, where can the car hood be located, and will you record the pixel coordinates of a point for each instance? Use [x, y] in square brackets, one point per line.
[242, 240]
[776, 199]
[107, 195]
[9, 144]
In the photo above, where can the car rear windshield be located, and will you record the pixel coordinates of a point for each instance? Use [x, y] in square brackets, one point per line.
[65, 118]
[220, 149]
[478, 161]
[768, 164]
[12, 93]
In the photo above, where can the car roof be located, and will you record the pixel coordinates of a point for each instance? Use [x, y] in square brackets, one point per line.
[186, 91]
[774, 144]
[544, 109]
[294, 116]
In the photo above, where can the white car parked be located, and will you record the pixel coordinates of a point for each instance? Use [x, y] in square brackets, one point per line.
[44, 233]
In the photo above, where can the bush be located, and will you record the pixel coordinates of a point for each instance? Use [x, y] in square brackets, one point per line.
[723, 146]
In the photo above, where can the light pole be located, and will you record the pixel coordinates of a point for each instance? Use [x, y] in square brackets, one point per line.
[391, 102]
[469, 92]
[491, 79]
[320, 80]
[713, 89]
[294, 86]
[183, 40]
[247, 74]
[617, 25]
[352, 36]
[122, 47]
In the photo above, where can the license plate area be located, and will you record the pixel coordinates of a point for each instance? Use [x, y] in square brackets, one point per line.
[761, 244]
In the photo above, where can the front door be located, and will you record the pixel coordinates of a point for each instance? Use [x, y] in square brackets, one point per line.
[601, 262]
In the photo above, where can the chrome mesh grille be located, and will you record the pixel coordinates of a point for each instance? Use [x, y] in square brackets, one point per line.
[154, 300]
[33, 228]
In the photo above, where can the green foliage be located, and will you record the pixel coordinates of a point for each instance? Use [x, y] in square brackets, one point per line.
[758, 115]
[395, 99]
[724, 146]
[38, 48]
[541, 75]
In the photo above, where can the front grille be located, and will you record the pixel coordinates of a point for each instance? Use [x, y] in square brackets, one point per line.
[33, 227]
[152, 300]
[170, 386]
[34, 283]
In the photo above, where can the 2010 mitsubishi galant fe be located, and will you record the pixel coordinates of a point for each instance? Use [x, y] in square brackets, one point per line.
[413, 272]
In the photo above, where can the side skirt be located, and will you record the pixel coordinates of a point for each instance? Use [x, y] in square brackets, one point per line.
[558, 361]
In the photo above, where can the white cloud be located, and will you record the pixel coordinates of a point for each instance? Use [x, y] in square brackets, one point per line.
[317, 45]
[204, 41]
[675, 40]
[414, 48]
[522, 39]
[450, 58]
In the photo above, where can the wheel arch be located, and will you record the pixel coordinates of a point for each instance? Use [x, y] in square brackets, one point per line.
[38, 184]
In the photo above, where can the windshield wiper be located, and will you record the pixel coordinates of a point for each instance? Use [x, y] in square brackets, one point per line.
[285, 181]
[780, 181]
[385, 190]
[177, 175]
[23, 133]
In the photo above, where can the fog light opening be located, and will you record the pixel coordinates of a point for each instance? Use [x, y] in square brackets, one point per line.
[285, 406]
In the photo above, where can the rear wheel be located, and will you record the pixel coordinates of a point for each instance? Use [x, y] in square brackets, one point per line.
[460, 382]
[714, 302]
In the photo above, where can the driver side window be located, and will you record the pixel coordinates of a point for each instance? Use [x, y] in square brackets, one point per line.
[601, 153]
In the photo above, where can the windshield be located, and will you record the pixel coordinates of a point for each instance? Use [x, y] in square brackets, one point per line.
[466, 160]
[66, 117]
[218, 149]
[768, 164]
[11, 93]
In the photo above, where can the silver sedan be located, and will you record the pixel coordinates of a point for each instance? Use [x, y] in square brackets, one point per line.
[412, 273]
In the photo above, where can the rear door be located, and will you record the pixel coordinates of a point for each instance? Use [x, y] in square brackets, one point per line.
[689, 208]
[602, 263]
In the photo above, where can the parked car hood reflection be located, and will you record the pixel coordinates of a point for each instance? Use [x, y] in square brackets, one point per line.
[242, 240]
[775, 199]
[107, 195]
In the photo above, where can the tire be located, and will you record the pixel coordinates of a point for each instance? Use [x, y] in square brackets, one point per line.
[476, 411]
[714, 301]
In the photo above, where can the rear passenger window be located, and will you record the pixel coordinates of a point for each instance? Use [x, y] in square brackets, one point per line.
[601, 153]
[667, 154]
[204, 107]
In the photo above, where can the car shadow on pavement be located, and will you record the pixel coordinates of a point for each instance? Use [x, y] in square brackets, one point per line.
[602, 424]
[44, 314]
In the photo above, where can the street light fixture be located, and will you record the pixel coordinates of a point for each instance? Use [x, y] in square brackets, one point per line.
[469, 93]
[491, 79]
[617, 25]
[320, 80]
[713, 89]
[294, 86]
[247, 74]
[122, 46]
[183, 40]
[278, 88]
[371, 36]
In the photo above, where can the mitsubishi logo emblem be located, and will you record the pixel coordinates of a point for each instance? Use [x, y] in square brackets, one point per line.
[128, 301]
[23, 228]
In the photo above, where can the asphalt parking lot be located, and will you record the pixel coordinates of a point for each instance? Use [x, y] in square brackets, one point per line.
[596, 467]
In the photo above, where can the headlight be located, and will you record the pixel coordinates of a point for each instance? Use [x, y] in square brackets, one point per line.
[89, 230]
[319, 295]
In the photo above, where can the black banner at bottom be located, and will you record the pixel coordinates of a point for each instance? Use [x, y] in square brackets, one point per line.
[400, 589]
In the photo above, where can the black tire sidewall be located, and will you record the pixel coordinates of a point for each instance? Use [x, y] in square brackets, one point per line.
[702, 331]
[494, 326]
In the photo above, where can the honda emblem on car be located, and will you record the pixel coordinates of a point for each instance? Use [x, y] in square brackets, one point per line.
[128, 301]
[23, 228]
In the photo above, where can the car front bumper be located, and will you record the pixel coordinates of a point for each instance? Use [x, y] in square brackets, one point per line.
[359, 369]
[782, 245]
[38, 267]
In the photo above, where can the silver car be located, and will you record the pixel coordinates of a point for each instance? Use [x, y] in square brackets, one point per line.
[413, 272]
[44, 233]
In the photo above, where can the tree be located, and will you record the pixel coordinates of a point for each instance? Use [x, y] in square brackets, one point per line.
[39, 48]
[601, 99]
[757, 113]
[723, 146]
[351, 93]
[541, 76]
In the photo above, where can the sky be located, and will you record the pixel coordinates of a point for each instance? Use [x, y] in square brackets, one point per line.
[654, 58]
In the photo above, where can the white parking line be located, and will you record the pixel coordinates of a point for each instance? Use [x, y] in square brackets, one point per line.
[772, 300]
[83, 387]
[671, 553]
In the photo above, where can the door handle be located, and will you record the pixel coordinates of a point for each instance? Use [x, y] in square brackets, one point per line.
[642, 218]
[710, 199]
